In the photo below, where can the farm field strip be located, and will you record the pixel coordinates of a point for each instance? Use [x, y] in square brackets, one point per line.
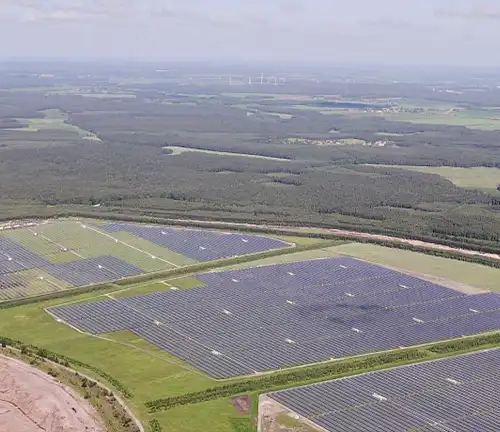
[482, 178]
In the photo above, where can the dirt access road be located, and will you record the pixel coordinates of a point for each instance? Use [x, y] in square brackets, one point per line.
[340, 233]
[33, 401]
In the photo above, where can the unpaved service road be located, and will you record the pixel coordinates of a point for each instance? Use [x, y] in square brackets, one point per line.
[33, 401]
[342, 233]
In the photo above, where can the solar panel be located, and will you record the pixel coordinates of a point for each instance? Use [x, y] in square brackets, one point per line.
[417, 397]
[201, 245]
[269, 319]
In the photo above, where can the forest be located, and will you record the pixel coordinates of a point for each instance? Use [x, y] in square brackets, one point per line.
[51, 166]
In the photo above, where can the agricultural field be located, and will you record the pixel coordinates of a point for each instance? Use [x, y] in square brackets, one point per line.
[481, 178]
[426, 114]
[481, 120]
[56, 255]
[159, 374]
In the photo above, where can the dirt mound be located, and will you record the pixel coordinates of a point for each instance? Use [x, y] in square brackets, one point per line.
[243, 404]
[32, 401]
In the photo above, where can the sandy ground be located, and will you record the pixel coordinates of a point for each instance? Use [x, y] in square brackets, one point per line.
[415, 243]
[274, 417]
[33, 401]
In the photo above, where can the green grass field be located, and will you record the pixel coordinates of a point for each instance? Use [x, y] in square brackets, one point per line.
[482, 178]
[463, 272]
[145, 370]
[55, 120]
[90, 242]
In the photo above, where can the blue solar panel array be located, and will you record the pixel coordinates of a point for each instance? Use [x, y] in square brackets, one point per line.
[460, 394]
[93, 270]
[201, 245]
[272, 317]
[15, 258]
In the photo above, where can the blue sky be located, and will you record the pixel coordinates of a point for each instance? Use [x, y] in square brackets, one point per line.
[441, 32]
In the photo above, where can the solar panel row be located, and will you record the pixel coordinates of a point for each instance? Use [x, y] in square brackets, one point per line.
[460, 394]
[284, 315]
[201, 245]
[16, 259]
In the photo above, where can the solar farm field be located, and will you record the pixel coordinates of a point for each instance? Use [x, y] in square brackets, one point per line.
[149, 372]
[247, 321]
[41, 258]
[459, 394]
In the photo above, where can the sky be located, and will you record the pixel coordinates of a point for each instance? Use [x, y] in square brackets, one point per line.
[406, 32]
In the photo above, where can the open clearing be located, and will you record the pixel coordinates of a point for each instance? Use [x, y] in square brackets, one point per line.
[34, 401]
[475, 178]
[55, 120]
[179, 150]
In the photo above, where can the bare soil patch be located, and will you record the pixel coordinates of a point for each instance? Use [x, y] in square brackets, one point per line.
[274, 417]
[242, 404]
[33, 401]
